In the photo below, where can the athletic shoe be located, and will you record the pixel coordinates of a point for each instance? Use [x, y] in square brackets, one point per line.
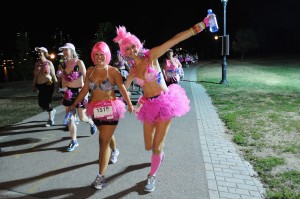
[150, 186]
[72, 145]
[114, 156]
[93, 129]
[99, 182]
[50, 123]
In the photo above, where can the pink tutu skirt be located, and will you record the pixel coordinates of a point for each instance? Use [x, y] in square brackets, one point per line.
[118, 109]
[173, 103]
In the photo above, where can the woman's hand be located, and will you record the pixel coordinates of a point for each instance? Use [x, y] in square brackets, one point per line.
[71, 108]
[130, 108]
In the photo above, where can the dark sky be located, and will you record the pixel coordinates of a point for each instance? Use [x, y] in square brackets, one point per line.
[152, 21]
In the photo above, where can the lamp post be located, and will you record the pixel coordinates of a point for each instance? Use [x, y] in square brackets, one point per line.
[224, 46]
[216, 37]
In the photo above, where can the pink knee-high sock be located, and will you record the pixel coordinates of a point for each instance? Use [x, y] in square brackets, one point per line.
[155, 163]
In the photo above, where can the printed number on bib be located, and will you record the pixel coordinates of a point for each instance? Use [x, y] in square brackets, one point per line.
[104, 111]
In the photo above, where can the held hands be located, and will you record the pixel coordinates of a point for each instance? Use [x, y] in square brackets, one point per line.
[130, 108]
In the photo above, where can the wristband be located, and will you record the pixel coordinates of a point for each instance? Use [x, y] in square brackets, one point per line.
[192, 31]
[199, 27]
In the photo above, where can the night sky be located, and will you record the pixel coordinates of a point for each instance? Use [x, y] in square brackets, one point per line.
[154, 23]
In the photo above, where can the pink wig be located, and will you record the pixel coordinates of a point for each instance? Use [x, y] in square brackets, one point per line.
[126, 39]
[103, 48]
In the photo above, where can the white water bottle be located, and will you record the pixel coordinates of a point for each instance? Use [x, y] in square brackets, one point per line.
[213, 24]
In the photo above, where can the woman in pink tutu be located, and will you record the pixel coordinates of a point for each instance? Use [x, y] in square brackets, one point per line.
[104, 107]
[159, 103]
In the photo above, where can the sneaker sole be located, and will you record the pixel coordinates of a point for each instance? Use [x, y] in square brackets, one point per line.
[98, 187]
[48, 125]
[147, 190]
[72, 149]
[112, 162]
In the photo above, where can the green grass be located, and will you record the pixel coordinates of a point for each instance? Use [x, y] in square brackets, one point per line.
[18, 102]
[260, 108]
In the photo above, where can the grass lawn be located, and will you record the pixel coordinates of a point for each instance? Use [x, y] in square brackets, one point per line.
[260, 107]
[18, 102]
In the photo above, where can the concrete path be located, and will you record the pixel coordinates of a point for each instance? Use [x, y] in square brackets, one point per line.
[200, 160]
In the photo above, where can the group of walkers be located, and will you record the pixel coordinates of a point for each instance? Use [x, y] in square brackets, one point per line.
[90, 93]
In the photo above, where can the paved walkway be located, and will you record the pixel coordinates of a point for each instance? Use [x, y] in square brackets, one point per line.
[200, 160]
[228, 176]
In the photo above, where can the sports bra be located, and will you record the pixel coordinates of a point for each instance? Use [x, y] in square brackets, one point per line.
[105, 85]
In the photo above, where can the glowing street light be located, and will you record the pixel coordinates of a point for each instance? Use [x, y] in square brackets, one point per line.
[52, 56]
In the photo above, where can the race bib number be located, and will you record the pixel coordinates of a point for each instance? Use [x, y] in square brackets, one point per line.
[104, 111]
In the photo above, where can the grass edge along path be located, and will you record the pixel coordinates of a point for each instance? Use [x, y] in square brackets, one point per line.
[260, 108]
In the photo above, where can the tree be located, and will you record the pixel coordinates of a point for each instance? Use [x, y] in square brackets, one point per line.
[106, 33]
[245, 40]
[23, 60]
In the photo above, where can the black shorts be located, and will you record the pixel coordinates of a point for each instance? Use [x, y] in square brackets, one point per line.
[105, 122]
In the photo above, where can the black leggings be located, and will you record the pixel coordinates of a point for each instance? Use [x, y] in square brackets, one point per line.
[45, 95]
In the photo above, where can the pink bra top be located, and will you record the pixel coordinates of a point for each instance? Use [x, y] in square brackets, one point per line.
[73, 75]
[42, 67]
[150, 76]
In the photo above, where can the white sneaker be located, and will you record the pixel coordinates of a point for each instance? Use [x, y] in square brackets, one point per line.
[114, 156]
[49, 123]
[99, 182]
[150, 185]
[53, 114]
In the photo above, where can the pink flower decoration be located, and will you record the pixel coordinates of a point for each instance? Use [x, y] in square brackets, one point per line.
[76, 75]
[72, 76]
[68, 78]
[59, 73]
[47, 69]
[68, 94]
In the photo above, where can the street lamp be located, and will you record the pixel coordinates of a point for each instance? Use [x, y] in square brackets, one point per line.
[52, 56]
[225, 47]
[216, 37]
